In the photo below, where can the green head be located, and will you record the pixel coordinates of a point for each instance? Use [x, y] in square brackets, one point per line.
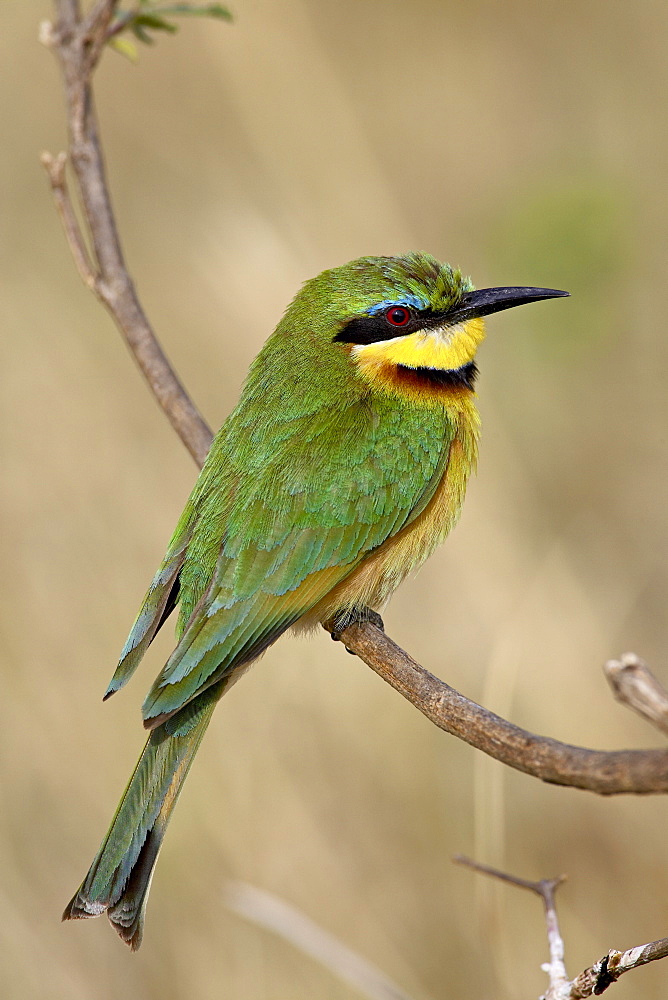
[366, 286]
[380, 318]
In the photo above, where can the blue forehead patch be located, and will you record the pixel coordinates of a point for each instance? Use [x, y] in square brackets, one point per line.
[414, 301]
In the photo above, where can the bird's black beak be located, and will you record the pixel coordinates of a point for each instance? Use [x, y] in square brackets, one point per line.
[484, 301]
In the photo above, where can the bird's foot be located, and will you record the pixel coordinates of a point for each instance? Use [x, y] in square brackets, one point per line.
[339, 622]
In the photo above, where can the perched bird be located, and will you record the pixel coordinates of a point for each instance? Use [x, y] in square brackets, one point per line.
[342, 467]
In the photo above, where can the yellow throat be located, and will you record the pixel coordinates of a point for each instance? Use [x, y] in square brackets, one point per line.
[390, 363]
[442, 347]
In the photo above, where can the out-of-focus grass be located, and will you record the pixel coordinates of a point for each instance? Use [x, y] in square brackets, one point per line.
[523, 142]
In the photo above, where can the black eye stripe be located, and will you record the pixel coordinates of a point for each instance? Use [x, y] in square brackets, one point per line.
[374, 329]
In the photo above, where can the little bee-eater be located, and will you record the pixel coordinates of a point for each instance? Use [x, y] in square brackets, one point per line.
[342, 467]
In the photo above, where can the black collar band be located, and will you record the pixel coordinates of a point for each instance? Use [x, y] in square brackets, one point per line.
[453, 378]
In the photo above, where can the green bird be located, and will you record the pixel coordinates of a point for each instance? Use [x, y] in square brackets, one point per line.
[342, 467]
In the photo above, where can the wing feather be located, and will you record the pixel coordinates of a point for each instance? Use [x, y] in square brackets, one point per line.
[159, 596]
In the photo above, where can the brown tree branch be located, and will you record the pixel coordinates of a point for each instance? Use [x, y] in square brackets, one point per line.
[608, 772]
[79, 42]
[634, 685]
[598, 977]
[605, 972]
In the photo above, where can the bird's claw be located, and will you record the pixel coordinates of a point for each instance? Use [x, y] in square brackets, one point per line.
[353, 616]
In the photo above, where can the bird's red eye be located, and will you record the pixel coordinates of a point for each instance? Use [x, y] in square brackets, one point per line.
[397, 315]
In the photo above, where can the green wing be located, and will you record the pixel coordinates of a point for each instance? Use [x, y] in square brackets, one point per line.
[331, 488]
[160, 600]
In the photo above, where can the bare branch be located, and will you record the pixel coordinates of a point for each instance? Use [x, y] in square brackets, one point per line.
[606, 772]
[594, 980]
[635, 686]
[545, 888]
[78, 44]
[274, 914]
[95, 31]
[55, 168]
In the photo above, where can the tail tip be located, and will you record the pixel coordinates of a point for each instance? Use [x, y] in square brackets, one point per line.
[128, 922]
[79, 907]
[114, 686]
[130, 933]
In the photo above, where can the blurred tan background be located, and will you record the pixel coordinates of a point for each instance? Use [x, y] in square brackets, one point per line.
[524, 142]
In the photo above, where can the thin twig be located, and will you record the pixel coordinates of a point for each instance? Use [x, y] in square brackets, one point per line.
[78, 44]
[544, 888]
[274, 914]
[55, 168]
[95, 31]
[559, 988]
[592, 981]
[635, 686]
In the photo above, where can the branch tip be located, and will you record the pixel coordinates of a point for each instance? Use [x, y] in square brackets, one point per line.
[545, 887]
[635, 686]
[46, 34]
[54, 166]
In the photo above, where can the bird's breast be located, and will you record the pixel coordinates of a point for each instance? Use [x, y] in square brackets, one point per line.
[373, 581]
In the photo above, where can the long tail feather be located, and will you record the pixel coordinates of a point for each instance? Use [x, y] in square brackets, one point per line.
[120, 876]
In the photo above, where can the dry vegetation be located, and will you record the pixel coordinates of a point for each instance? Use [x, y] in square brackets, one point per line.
[521, 142]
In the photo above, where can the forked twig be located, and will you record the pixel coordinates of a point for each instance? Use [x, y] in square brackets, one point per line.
[598, 977]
